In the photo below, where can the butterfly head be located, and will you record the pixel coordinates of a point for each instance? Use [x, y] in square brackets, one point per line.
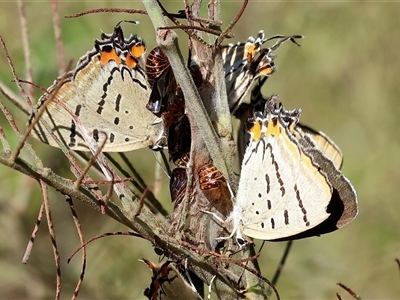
[270, 117]
[115, 47]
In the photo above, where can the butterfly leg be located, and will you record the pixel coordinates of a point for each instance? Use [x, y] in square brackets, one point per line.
[214, 216]
[222, 223]
[236, 217]
[239, 239]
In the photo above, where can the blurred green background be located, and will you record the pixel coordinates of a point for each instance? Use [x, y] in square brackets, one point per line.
[344, 77]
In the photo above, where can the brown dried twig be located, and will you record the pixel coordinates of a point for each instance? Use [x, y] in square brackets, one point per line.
[103, 10]
[82, 240]
[25, 44]
[84, 244]
[350, 291]
[33, 235]
[49, 218]
[57, 34]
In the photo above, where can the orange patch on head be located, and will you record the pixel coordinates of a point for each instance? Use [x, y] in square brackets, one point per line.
[137, 50]
[105, 57]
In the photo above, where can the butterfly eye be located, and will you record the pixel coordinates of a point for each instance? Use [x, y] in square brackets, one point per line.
[241, 242]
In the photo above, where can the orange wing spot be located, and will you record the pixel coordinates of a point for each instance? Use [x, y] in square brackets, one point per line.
[107, 56]
[138, 50]
[255, 131]
[131, 62]
[251, 50]
[267, 69]
[273, 129]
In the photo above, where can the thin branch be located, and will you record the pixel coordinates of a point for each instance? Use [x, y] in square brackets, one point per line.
[14, 99]
[10, 63]
[25, 44]
[57, 34]
[14, 126]
[168, 41]
[66, 186]
[350, 291]
[82, 240]
[38, 115]
[103, 10]
[192, 27]
[225, 33]
[83, 245]
[281, 265]
[3, 138]
[33, 235]
[45, 199]
[90, 163]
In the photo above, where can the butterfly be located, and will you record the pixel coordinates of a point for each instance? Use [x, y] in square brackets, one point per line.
[257, 103]
[245, 62]
[107, 94]
[289, 187]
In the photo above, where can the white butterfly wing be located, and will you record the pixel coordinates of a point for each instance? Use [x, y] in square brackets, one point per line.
[281, 192]
[328, 148]
[118, 107]
[106, 96]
